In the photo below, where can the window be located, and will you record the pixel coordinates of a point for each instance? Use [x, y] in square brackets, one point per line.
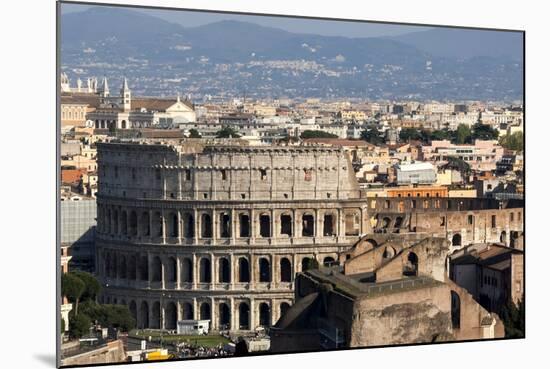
[263, 174]
[157, 174]
[470, 219]
[224, 175]
[187, 174]
[493, 221]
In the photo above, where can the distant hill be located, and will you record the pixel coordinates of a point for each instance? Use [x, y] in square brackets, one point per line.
[115, 41]
[466, 43]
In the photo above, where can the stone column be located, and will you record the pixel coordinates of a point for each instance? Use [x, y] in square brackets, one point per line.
[180, 227]
[214, 320]
[234, 315]
[214, 270]
[215, 226]
[178, 272]
[196, 229]
[194, 271]
[233, 220]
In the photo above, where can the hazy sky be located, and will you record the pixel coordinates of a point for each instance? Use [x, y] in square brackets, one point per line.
[319, 27]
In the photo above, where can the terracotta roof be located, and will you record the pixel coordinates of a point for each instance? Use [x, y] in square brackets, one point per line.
[153, 103]
[161, 133]
[338, 142]
[80, 98]
[72, 176]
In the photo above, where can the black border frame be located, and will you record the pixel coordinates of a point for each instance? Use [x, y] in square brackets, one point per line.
[58, 5]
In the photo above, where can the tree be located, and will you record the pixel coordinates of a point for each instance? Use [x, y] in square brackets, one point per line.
[116, 316]
[484, 132]
[91, 285]
[463, 134]
[438, 135]
[79, 325]
[193, 133]
[372, 136]
[316, 134]
[227, 132]
[408, 134]
[458, 164]
[513, 317]
[72, 287]
[512, 142]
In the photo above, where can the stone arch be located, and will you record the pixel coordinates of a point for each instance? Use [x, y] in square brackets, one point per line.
[328, 261]
[503, 236]
[286, 270]
[133, 310]
[144, 224]
[386, 221]
[411, 266]
[157, 269]
[244, 225]
[107, 221]
[389, 252]
[308, 263]
[187, 311]
[264, 269]
[283, 308]
[205, 311]
[171, 316]
[144, 268]
[115, 218]
[265, 225]
[171, 270]
[157, 224]
[123, 124]
[455, 310]
[265, 314]
[205, 270]
[143, 315]
[224, 315]
[188, 226]
[224, 270]
[225, 225]
[133, 223]
[286, 224]
[132, 267]
[206, 225]
[308, 225]
[173, 225]
[186, 270]
[244, 270]
[457, 239]
[329, 225]
[155, 323]
[398, 222]
[123, 223]
[244, 316]
[123, 267]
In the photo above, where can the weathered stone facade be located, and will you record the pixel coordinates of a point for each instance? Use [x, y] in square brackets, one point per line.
[187, 231]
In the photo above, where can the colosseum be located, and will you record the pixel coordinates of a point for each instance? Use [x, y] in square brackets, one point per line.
[189, 230]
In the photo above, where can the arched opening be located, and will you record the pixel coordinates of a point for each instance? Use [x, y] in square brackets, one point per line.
[411, 266]
[143, 321]
[457, 240]
[123, 267]
[328, 225]
[265, 225]
[503, 237]
[284, 308]
[224, 316]
[171, 316]
[244, 225]
[123, 124]
[157, 269]
[108, 221]
[143, 268]
[132, 267]
[244, 316]
[265, 315]
[133, 310]
[398, 222]
[188, 226]
[173, 226]
[186, 270]
[386, 222]
[115, 229]
[187, 311]
[205, 272]
[286, 225]
[206, 226]
[225, 225]
[133, 223]
[328, 261]
[244, 270]
[308, 263]
[455, 310]
[224, 272]
[514, 236]
[171, 270]
[308, 225]
[265, 270]
[205, 313]
[157, 224]
[155, 324]
[389, 252]
[124, 223]
[352, 224]
[286, 270]
[144, 224]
